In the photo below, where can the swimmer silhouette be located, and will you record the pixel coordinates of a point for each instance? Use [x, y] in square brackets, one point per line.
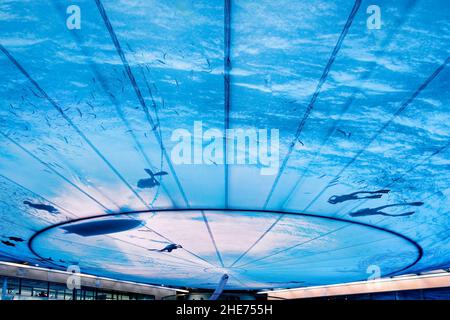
[152, 181]
[9, 244]
[354, 196]
[168, 248]
[39, 206]
[376, 211]
[15, 239]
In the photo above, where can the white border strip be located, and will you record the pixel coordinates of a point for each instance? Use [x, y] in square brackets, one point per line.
[409, 282]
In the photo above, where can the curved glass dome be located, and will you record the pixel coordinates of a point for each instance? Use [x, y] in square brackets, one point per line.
[284, 143]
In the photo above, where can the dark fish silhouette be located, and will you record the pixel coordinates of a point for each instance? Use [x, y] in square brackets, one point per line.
[355, 196]
[168, 248]
[40, 206]
[9, 244]
[376, 211]
[152, 181]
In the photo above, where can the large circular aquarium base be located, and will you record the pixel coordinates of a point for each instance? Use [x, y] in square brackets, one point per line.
[195, 247]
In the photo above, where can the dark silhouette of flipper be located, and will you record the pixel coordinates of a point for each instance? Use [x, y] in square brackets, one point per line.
[397, 215]
[151, 174]
[416, 204]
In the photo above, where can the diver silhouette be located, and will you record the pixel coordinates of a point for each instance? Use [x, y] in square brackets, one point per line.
[152, 181]
[40, 206]
[168, 248]
[354, 196]
[8, 243]
[15, 239]
[376, 211]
